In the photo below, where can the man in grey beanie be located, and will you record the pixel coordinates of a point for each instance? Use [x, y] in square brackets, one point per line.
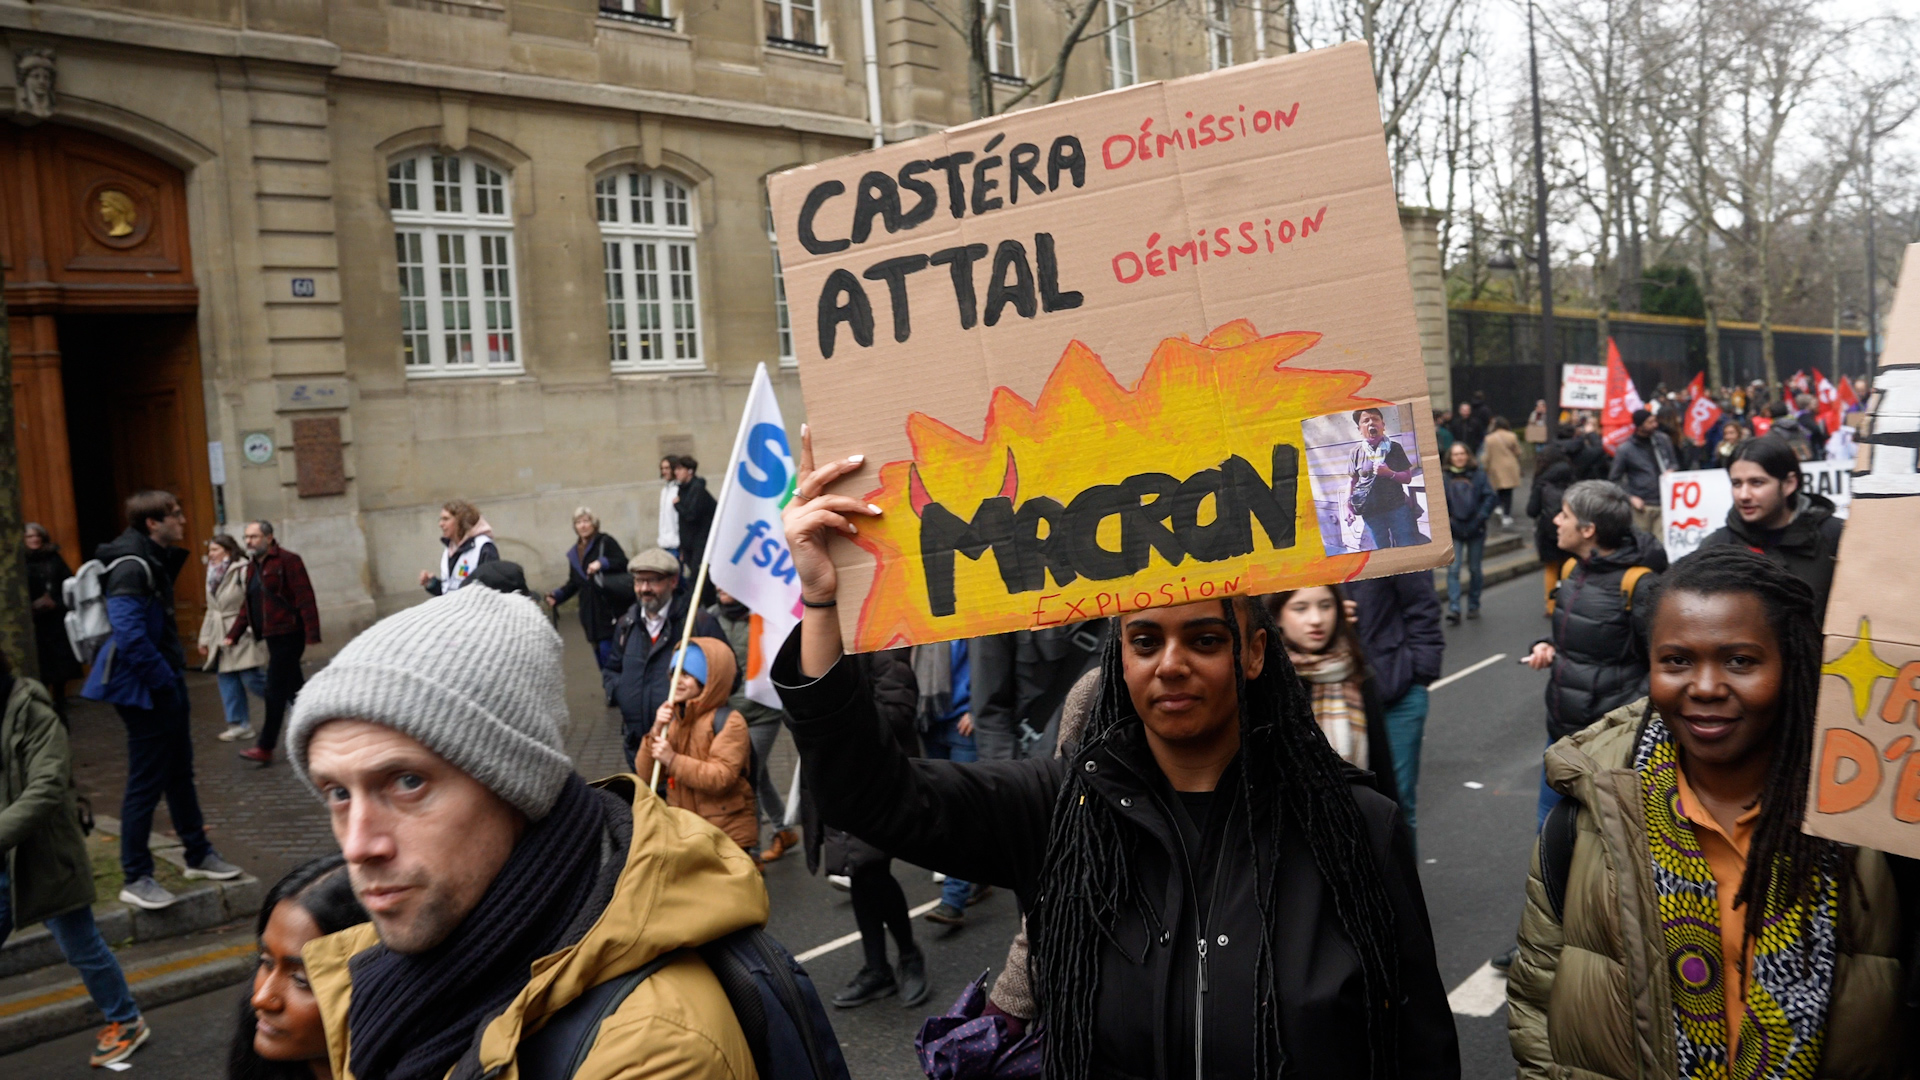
[434, 738]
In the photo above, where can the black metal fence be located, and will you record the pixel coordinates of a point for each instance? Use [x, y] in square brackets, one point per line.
[1497, 353]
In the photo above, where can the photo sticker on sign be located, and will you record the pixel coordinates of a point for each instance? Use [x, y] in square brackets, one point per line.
[1076, 346]
[1367, 480]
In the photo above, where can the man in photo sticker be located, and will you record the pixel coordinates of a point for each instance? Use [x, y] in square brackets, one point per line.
[1380, 473]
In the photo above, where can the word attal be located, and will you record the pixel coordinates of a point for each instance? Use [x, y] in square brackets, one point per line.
[1128, 266]
[1119, 151]
[1011, 282]
[1157, 512]
[879, 194]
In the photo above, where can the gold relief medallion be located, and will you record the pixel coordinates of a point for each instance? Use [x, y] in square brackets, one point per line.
[118, 214]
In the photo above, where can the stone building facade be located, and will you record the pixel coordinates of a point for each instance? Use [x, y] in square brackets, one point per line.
[334, 262]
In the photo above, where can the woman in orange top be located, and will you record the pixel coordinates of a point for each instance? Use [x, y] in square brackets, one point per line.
[1692, 918]
[706, 771]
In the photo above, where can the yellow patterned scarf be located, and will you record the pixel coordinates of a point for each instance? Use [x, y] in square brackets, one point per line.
[1790, 984]
[1333, 684]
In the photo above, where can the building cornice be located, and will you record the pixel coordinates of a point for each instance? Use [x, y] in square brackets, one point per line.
[122, 28]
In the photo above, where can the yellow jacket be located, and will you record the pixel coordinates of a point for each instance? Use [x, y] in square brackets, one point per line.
[685, 883]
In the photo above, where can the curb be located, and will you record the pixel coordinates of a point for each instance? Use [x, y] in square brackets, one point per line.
[50, 1014]
[198, 909]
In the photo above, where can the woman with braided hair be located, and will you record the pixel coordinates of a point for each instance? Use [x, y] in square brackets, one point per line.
[1690, 929]
[1211, 891]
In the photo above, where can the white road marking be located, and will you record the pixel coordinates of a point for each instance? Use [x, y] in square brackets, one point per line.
[1475, 784]
[1481, 994]
[848, 939]
[1466, 671]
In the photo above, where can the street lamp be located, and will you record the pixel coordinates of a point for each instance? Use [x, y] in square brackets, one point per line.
[1549, 368]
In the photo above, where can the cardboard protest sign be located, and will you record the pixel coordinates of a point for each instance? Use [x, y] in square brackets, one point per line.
[1865, 787]
[1583, 386]
[1694, 504]
[1089, 350]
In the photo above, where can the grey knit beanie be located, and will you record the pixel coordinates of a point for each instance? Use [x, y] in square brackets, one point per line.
[474, 676]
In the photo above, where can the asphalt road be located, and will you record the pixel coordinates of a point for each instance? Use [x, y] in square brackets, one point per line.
[1480, 776]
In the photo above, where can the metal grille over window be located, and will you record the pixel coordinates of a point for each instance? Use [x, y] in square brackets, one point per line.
[649, 245]
[453, 246]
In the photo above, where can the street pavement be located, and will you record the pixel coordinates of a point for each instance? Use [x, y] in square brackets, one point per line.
[1479, 782]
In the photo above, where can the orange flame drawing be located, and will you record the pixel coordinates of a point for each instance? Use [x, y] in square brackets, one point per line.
[1196, 404]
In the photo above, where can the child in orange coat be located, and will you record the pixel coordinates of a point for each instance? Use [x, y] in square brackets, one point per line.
[707, 772]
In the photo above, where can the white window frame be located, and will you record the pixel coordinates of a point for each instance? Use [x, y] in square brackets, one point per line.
[1219, 34]
[782, 28]
[650, 261]
[782, 316]
[453, 238]
[994, 44]
[637, 11]
[1123, 60]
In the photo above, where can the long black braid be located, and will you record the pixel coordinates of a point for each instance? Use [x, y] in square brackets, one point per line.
[1784, 865]
[1287, 768]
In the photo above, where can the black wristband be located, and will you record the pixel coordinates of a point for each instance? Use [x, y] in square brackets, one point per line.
[804, 602]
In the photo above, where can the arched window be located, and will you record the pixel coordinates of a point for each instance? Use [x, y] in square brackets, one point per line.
[648, 236]
[453, 236]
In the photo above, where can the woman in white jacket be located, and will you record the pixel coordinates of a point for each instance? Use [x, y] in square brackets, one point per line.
[242, 666]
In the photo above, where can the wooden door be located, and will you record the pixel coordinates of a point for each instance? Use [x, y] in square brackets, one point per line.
[142, 375]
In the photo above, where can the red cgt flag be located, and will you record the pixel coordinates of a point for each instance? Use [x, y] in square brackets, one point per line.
[1702, 411]
[1830, 402]
[1616, 419]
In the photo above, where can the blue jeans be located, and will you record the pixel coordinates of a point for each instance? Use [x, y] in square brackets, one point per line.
[1390, 529]
[1406, 725]
[946, 743]
[1549, 798]
[80, 942]
[159, 765]
[234, 686]
[1469, 552]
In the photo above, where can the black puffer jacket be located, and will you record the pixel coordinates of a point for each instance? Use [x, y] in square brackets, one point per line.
[1549, 490]
[1807, 547]
[988, 822]
[1599, 639]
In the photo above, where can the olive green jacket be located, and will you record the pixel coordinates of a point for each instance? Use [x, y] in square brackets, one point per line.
[1588, 996]
[47, 863]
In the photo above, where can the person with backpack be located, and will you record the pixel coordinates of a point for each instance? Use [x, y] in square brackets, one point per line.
[46, 875]
[1638, 464]
[1210, 890]
[592, 558]
[139, 671]
[1597, 656]
[1774, 514]
[701, 743]
[1470, 503]
[502, 887]
[1678, 922]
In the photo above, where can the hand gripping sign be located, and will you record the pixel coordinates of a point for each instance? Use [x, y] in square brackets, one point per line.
[1148, 347]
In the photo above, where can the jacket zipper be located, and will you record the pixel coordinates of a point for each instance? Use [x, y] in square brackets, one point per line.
[1205, 919]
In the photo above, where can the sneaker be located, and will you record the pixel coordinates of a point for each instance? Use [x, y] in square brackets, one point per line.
[947, 915]
[980, 892]
[263, 757]
[117, 1042]
[1505, 960]
[235, 734]
[1453, 618]
[146, 893]
[871, 984]
[214, 868]
[1473, 613]
[912, 971]
[841, 882]
[939, 878]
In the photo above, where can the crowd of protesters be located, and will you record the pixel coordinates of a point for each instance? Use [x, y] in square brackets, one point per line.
[1206, 813]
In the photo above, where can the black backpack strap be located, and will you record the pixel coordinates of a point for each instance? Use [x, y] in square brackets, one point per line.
[720, 717]
[557, 1051]
[1556, 852]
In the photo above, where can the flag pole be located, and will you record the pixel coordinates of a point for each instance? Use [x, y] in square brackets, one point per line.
[706, 557]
